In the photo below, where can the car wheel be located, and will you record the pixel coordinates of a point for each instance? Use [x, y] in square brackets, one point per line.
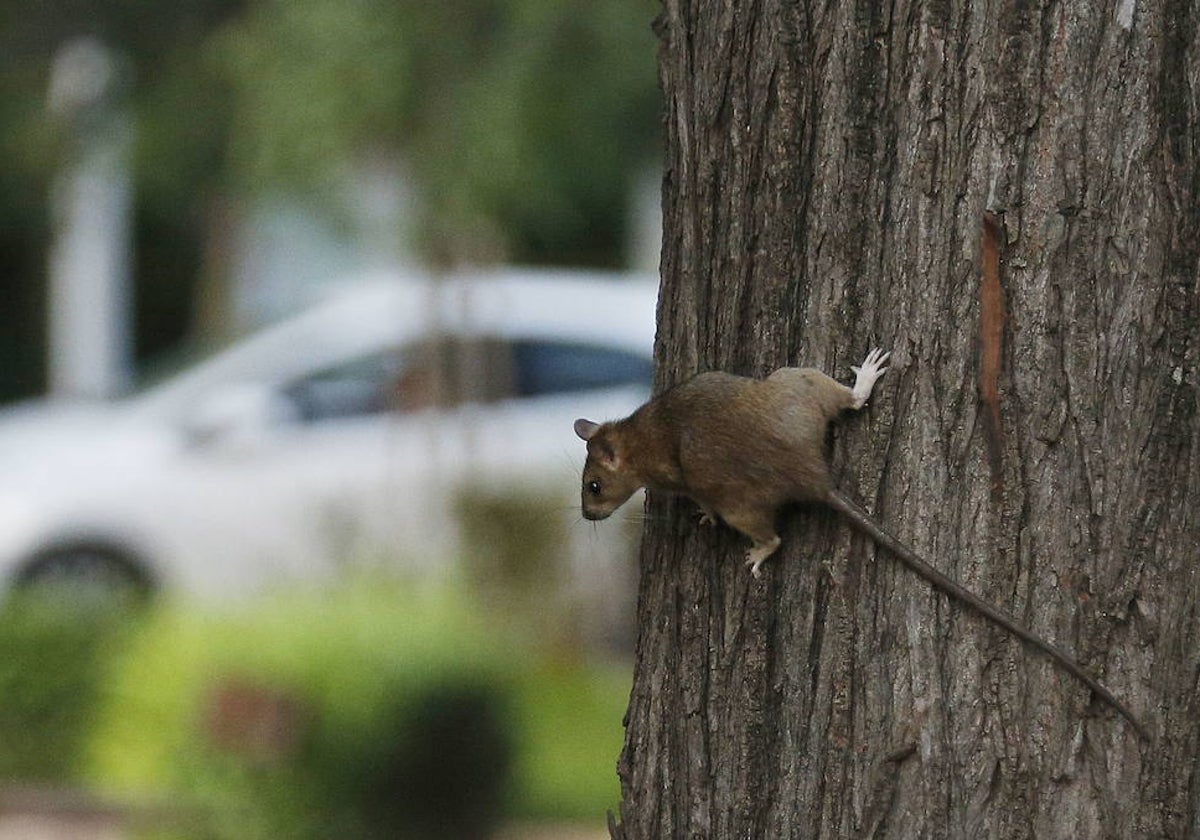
[83, 576]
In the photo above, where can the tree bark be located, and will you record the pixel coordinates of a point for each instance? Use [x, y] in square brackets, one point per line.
[1007, 195]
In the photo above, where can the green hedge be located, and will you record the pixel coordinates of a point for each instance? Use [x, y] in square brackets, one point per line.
[369, 710]
[51, 666]
[314, 715]
[569, 719]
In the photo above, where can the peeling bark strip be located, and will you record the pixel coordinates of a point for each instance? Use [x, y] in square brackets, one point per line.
[991, 344]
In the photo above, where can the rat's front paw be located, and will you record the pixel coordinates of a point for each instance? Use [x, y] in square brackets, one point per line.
[865, 375]
[873, 366]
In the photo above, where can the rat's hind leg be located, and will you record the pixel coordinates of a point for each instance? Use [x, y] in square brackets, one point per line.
[760, 529]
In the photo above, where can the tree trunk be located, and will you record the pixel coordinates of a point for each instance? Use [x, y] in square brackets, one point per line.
[1007, 195]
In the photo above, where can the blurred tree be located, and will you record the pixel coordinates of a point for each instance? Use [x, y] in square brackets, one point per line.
[524, 123]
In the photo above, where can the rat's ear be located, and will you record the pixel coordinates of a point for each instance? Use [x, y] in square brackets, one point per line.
[605, 455]
[585, 428]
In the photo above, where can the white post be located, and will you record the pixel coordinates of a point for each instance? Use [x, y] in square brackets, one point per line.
[644, 240]
[90, 352]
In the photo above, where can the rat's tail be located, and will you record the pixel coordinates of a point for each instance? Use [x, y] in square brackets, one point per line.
[863, 521]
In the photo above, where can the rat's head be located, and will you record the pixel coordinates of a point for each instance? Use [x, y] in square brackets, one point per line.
[608, 481]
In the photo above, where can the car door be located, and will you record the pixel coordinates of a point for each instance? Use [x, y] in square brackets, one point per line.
[336, 472]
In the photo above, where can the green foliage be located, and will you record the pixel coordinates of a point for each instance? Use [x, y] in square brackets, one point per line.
[524, 121]
[570, 723]
[553, 128]
[51, 666]
[350, 712]
[312, 716]
[314, 82]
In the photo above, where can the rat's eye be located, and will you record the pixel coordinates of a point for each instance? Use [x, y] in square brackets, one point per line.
[593, 487]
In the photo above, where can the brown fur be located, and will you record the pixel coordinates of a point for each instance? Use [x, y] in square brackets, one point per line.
[742, 448]
[739, 447]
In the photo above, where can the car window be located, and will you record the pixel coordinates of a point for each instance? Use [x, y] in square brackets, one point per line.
[387, 381]
[544, 367]
[449, 372]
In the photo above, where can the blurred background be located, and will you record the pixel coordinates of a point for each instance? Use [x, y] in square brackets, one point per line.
[297, 303]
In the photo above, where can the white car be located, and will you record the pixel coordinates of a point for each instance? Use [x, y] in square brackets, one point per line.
[355, 431]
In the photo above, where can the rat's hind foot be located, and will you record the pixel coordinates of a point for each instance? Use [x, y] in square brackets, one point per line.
[759, 553]
[865, 375]
[759, 526]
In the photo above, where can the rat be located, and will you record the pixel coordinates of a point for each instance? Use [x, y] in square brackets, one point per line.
[742, 448]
